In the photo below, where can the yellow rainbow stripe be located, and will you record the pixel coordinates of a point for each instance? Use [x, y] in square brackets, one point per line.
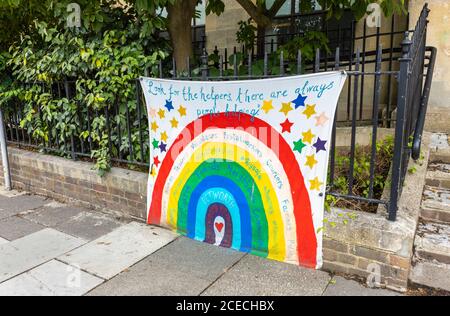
[224, 151]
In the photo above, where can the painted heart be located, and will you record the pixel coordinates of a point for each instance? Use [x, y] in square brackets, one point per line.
[219, 227]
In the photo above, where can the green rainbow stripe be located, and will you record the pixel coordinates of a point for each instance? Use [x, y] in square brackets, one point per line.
[242, 179]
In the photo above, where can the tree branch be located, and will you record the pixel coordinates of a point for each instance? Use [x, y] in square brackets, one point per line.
[276, 7]
[255, 13]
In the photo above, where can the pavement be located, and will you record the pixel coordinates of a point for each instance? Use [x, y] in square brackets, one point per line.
[53, 249]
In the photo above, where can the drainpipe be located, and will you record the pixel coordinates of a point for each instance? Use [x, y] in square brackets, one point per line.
[4, 152]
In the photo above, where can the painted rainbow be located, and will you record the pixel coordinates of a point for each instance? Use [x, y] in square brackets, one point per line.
[236, 180]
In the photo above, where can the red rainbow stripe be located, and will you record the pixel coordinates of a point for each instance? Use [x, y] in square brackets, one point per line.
[306, 236]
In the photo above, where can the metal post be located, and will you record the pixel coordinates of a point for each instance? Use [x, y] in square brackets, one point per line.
[4, 149]
[204, 67]
[403, 79]
[72, 139]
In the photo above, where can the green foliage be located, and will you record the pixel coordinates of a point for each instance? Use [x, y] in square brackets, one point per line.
[261, 16]
[18, 16]
[307, 43]
[102, 65]
[247, 33]
[215, 6]
[361, 181]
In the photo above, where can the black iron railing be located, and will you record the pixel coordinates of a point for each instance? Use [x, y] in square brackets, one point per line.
[415, 78]
[403, 103]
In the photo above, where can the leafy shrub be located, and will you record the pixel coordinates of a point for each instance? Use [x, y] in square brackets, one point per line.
[102, 68]
[361, 179]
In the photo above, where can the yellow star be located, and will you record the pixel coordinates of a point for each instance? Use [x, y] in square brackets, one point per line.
[310, 111]
[164, 137]
[153, 171]
[267, 106]
[311, 161]
[308, 137]
[315, 184]
[161, 113]
[182, 111]
[174, 123]
[154, 126]
[286, 108]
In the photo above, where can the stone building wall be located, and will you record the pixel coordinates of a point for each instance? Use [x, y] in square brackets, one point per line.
[221, 30]
[439, 37]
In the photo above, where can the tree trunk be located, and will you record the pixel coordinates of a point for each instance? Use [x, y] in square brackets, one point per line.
[180, 15]
[261, 40]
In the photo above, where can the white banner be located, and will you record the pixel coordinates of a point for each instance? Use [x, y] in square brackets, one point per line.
[243, 164]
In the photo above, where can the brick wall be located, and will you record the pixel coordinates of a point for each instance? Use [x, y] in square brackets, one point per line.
[120, 190]
[351, 259]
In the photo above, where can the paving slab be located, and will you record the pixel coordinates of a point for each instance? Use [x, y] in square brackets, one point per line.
[52, 216]
[340, 286]
[53, 278]
[149, 278]
[199, 259]
[184, 267]
[89, 225]
[111, 254]
[28, 252]
[15, 227]
[10, 206]
[255, 276]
